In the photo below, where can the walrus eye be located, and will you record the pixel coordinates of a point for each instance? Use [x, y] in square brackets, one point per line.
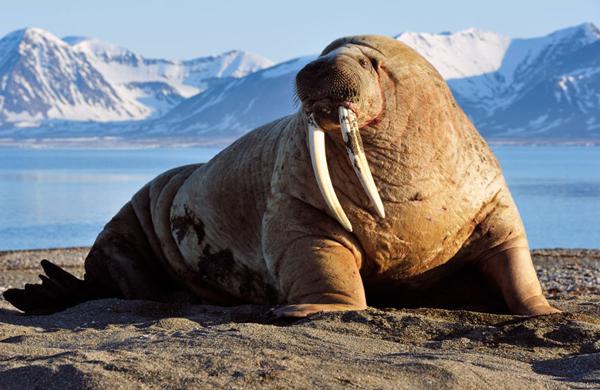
[362, 62]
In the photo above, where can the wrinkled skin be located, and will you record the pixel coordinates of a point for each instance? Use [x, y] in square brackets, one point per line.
[251, 226]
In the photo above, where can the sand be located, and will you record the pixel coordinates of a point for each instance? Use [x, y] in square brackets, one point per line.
[136, 344]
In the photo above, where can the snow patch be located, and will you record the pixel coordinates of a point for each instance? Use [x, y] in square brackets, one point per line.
[467, 53]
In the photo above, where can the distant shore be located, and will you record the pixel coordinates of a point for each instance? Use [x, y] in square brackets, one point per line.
[102, 142]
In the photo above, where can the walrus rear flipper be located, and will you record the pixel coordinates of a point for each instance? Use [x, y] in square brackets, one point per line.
[58, 291]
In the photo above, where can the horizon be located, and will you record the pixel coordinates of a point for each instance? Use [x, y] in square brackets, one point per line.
[175, 29]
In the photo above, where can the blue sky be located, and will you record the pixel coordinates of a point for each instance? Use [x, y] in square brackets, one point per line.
[280, 30]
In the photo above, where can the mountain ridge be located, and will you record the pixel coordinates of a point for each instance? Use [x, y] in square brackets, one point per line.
[504, 85]
[42, 77]
[541, 88]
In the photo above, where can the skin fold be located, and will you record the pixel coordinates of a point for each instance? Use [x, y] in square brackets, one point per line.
[251, 225]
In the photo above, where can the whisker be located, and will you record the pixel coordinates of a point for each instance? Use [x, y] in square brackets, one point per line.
[296, 102]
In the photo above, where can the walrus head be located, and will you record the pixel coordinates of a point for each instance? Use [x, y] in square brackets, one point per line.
[341, 91]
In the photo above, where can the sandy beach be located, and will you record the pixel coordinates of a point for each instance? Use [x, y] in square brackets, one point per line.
[135, 344]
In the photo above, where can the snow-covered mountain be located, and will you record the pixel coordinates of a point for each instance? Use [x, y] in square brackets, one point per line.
[43, 77]
[539, 87]
[467, 53]
[159, 83]
[545, 88]
[232, 107]
[536, 88]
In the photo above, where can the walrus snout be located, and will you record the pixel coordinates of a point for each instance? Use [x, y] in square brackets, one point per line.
[342, 78]
[340, 91]
[328, 77]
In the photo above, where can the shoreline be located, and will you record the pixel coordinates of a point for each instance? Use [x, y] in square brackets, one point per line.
[568, 252]
[113, 343]
[111, 143]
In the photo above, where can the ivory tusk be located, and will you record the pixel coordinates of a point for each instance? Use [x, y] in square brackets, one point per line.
[316, 142]
[354, 147]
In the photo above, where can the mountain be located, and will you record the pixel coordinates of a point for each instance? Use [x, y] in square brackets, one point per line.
[545, 88]
[41, 77]
[534, 89]
[232, 107]
[44, 78]
[160, 83]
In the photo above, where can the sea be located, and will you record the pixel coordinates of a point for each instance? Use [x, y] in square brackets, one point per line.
[52, 198]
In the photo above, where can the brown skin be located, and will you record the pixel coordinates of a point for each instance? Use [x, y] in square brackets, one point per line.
[445, 197]
[251, 226]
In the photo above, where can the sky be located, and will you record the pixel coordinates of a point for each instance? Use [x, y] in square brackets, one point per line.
[280, 30]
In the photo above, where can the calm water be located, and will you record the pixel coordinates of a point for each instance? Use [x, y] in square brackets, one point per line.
[61, 198]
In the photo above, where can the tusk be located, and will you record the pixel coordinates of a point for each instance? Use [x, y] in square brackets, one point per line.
[354, 146]
[316, 141]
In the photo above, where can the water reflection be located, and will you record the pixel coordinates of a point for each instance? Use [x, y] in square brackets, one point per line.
[67, 177]
[559, 189]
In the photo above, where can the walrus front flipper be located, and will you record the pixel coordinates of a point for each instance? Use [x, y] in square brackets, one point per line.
[58, 291]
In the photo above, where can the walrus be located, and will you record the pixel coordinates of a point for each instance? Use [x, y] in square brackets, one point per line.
[377, 185]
